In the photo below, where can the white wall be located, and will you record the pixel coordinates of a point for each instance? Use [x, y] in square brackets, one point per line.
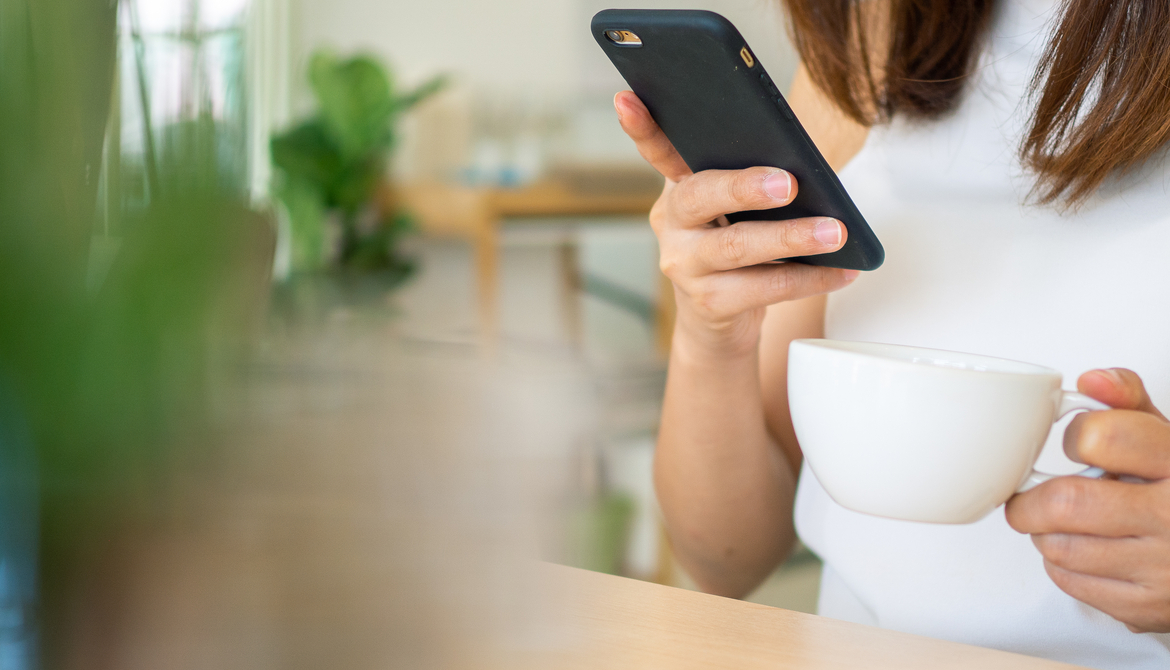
[542, 45]
[537, 51]
[511, 44]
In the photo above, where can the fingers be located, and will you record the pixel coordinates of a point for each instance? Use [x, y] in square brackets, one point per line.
[1124, 558]
[723, 295]
[652, 143]
[716, 267]
[1123, 441]
[1119, 388]
[1136, 605]
[1088, 506]
[753, 242]
[699, 199]
[1105, 542]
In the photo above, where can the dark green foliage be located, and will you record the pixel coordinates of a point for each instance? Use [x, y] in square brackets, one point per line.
[106, 380]
[336, 160]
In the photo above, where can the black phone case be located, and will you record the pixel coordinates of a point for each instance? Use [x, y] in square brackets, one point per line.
[721, 113]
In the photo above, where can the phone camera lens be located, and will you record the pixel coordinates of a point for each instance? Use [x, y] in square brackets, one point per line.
[623, 38]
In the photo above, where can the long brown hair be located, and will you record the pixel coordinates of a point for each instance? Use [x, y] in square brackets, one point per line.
[1101, 93]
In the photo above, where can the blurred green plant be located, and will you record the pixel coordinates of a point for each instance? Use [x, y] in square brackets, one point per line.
[334, 163]
[599, 533]
[108, 381]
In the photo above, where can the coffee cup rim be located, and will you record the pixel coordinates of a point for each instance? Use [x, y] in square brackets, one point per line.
[923, 358]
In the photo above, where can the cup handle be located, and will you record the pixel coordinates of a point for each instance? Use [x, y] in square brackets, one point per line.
[1069, 402]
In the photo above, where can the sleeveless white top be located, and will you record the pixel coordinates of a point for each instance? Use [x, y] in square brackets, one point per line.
[968, 268]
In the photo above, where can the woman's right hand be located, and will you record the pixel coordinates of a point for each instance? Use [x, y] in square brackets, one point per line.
[722, 274]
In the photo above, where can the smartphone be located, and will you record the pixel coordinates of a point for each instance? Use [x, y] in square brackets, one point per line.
[711, 96]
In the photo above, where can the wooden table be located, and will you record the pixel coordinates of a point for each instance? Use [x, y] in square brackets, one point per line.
[476, 214]
[623, 623]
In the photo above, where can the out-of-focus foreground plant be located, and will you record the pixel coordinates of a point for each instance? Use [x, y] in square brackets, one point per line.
[334, 162]
[98, 380]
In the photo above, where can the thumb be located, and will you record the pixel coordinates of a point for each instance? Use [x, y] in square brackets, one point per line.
[1119, 388]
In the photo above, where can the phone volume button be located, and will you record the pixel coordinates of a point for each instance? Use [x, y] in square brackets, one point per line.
[784, 109]
[769, 85]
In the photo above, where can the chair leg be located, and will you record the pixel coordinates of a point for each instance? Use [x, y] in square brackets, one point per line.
[571, 293]
[487, 261]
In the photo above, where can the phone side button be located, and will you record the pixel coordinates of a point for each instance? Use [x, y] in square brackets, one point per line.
[784, 108]
[769, 85]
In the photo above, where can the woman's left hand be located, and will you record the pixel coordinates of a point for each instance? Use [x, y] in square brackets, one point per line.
[1107, 542]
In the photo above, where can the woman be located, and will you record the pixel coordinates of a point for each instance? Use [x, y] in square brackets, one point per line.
[1009, 156]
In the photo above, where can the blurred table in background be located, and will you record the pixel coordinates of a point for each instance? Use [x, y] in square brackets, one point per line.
[476, 214]
[624, 623]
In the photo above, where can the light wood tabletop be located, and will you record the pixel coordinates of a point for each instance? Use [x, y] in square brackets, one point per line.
[624, 623]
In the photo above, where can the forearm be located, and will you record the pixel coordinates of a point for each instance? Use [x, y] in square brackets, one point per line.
[723, 483]
[725, 486]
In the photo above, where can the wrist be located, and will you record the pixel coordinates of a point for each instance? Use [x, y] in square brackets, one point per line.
[699, 342]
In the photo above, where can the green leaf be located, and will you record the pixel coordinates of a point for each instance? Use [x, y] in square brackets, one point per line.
[306, 211]
[422, 92]
[356, 102]
[356, 183]
[307, 153]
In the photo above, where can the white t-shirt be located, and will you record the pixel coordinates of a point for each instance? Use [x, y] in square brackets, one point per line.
[968, 268]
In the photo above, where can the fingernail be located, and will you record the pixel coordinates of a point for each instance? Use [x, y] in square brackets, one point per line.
[617, 106]
[1113, 375]
[778, 185]
[828, 232]
[850, 275]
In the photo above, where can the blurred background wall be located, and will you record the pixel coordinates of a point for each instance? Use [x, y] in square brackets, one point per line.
[529, 57]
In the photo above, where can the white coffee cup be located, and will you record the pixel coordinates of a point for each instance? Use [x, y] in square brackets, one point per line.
[921, 434]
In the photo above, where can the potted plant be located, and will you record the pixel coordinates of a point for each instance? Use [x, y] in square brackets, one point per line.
[331, 165]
